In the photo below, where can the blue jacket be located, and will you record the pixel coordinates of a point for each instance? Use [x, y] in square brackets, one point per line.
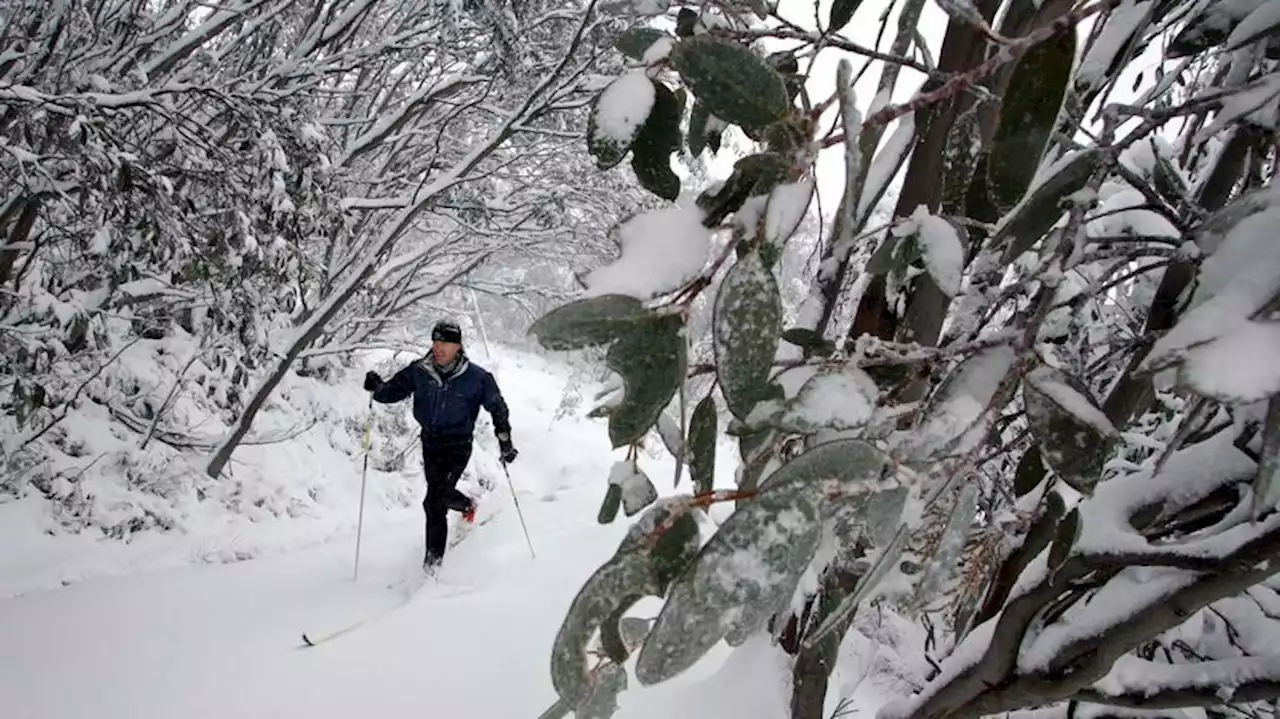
[447, 406]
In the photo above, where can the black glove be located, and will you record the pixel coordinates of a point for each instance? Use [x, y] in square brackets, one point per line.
[372, 381]
[506, 450]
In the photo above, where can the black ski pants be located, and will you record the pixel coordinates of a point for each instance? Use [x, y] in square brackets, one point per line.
[443, 465]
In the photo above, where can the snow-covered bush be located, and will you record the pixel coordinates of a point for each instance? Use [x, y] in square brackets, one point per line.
[1044, 421]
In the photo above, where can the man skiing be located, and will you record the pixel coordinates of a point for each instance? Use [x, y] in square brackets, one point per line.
[448, 391]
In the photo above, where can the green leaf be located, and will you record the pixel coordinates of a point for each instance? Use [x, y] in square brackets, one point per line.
[836, 399]
[686, 22]
[1265, 484]
[652, 359]
[951, 419]
[752, 175]
[757, 555]
[746, 323]
[734, 83]
[851, 466]
[602, 702]
[669, 431]
[617, 115]
[702, 445]
[810, 341]
[589, 322]
[841, 13]
[611, 633]
[1073, 434]
[609, 508]
[633, 42]
[657, 139]
[1040, 209]
[1030, 473]
[673, 551]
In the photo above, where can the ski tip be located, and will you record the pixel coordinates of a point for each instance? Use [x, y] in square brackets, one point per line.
[307, 640]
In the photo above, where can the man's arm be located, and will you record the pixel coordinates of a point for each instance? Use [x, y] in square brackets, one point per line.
[496, 406]
[399, 387]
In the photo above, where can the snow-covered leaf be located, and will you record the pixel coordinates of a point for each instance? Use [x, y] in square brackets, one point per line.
[657, 139]
[756, 556]
[753, 175]
[661, 251]
[1266, 485]
[851, 466]
[746, 325]
[734, 83]
[602, 702]
[807, 339]
[785, 210]
[702, 445]
[840, 399]
[634, 42]
[841, 13]
[1120, 29]
[588, 322]
[950, 419]
[885, 166]
[1212, 25]
[1041, 207]
[1215, 368]
[941, 249]
[947, 551]
[669, 430]
[886, 559]
[651, 359]
[1264, 21]
[1074, 436]
[617, 116]
[638, 491]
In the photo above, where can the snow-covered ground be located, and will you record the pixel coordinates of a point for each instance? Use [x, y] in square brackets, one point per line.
[153, 628]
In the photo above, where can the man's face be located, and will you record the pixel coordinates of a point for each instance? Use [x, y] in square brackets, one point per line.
[444, 352]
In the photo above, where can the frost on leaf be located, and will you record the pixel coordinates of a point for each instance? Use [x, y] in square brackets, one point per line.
[732, 82]
[638, 491]
[840, 399]
[1074, 436]
[951, 417]
[755, 557]
[702, 445]
[661, 251]
[652, 359]
[850, 466]
[746, 325]
[617, 116]
[588, 322]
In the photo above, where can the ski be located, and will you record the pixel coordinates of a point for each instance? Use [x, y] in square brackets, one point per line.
[462, 531]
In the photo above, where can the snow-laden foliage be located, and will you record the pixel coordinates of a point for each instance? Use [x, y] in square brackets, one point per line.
[1044, 421]
[270, 184]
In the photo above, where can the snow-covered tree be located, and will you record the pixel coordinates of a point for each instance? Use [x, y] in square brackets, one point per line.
[1037, 407]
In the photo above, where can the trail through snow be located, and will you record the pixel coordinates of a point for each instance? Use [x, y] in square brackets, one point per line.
[224, 640]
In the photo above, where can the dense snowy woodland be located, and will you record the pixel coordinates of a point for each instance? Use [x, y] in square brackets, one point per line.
[906, 359]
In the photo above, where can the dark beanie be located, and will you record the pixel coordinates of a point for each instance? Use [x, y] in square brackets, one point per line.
[446, 331]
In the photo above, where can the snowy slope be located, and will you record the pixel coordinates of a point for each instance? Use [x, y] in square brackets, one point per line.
[161, 633]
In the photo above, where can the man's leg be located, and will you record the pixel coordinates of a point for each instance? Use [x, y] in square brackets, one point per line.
[444, 468]
[456, 459]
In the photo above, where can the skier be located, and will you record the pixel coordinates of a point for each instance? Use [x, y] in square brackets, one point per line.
[448, 391]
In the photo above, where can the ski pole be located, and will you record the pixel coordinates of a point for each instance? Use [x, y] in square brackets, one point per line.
[520, 514]
[364, 477]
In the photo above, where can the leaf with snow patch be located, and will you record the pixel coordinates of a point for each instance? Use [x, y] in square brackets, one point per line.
[785, 210]
[1041, 207]
[850, 465]
[947, 551]
[617, 115]
[657, 139]
[1210, 26]
[609, 507]
[752, 176]
[638, 568]
[633, 42]
[734, 83]
[1266, 483]
[651, 358]
[702, 445]
[1263, 22]
[637, 490]
[841, 13]
[589, 322]
[758, 554]
[885, 166]
[839, 399]
[746, 323]
[951, 417]
[1073, 434]
[941, 248]
[669, 431]
[885, 560]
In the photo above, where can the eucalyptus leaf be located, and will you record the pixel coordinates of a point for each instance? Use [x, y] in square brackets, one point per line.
[734, 83]
[657, 139]
[841, 13]
[633, 42]
[1075, 437]
[617, 115]
[1042, 206]
[702, 445]
[652, 359]
[589, 322]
